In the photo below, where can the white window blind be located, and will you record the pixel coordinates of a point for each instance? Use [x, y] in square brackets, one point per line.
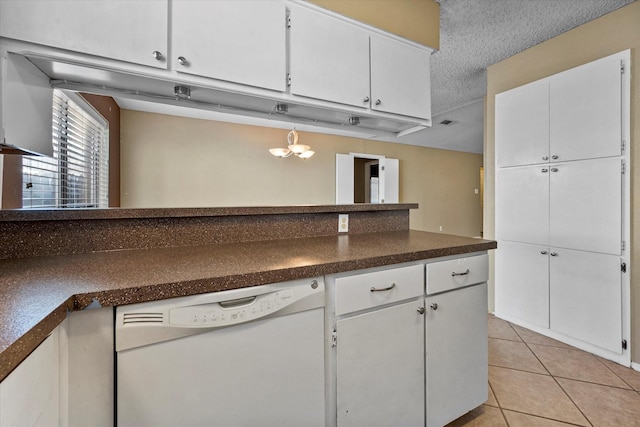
[77, 176]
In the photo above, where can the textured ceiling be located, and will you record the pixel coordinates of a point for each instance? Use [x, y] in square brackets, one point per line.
[477, 33]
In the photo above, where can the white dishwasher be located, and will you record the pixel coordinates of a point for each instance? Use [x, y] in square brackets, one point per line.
[245, 357]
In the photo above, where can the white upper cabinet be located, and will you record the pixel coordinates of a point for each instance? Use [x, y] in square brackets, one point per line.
[522, 125]
[329, 58]
[237, 41]
[133, 31]
[586, 112]
[335, 60]
[400, 78]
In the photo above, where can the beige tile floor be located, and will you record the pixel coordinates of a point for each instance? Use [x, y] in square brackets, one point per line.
[538, 381]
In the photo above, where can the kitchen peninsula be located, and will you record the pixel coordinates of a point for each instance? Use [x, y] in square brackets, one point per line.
[55, 262]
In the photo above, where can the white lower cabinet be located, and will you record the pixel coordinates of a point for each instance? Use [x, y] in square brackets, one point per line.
[380, 368]
[398, 359]
[376, 361]
[30, 395]
[456, 341]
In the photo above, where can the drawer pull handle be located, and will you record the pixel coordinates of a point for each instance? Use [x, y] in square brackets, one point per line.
[460, 274]
[374, 289]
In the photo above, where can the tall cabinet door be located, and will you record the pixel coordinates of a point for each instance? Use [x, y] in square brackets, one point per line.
[522, 125]
[237, 41]
[585, 297]
[400, 78]
[334, 67]
[586, 112]
[380, 367]
[456, 346]
[586, 205]
[522, 282]
[522, 204]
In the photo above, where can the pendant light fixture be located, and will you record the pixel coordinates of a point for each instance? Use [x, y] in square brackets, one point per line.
[299, 150]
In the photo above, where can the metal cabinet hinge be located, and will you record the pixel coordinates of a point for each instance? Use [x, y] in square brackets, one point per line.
[382, 168]
[624, 344]
[288, 79]
[289, 20]
[622, 245]
[624, 168]
[623, 267]
[334, 338]
[623, 145]
[621, 68]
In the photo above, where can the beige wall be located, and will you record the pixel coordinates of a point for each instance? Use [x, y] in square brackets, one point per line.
[617, 31]
[417, 20]
[169, 161]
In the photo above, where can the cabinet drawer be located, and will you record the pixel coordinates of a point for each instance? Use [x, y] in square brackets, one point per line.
[457, 273]
[355, 292]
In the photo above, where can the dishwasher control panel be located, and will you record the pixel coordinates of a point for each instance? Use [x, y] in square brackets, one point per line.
[231, 312]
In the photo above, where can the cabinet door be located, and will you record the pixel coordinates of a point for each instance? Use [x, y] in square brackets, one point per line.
[586, 297]
[586, 205]
[457, 360]
[400, 78]
[522, 204]
[128, 31]
[522, 125]
[329, 58]
[237, 41]
[380, 367]
[30, 395]
[522, 282]
[586, 111]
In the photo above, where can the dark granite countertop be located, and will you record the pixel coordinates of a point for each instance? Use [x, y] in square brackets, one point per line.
[36, 292]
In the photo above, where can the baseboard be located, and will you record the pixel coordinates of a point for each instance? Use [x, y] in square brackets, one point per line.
[635, 366]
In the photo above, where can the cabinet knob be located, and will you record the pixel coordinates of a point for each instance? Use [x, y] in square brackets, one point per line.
[421, 310]
[554, 157]
[543, 252]
[434, 306]
[182, 60]
[553, 254]
[366, 99]
[157, 55]
[544, 170]
[545, 158]
[378, 102]
[554, 169]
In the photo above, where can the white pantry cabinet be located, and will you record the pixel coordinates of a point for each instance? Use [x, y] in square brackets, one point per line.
[238, 41]
[522, 282]
[133, 31]
[563, 206]
[576, 205]
[585, 293]
[573, 115]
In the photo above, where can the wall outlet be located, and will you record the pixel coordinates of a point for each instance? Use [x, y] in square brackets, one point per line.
[343, 223]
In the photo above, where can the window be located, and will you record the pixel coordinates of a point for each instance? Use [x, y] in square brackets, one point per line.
[77, 176]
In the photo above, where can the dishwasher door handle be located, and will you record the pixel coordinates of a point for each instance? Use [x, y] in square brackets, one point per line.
[237, 302]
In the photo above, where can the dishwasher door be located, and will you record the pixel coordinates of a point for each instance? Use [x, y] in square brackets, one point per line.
[247, 357]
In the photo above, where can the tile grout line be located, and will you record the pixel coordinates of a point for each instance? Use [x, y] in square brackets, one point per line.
[614, 373]
[499, 406]
[554, 378]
